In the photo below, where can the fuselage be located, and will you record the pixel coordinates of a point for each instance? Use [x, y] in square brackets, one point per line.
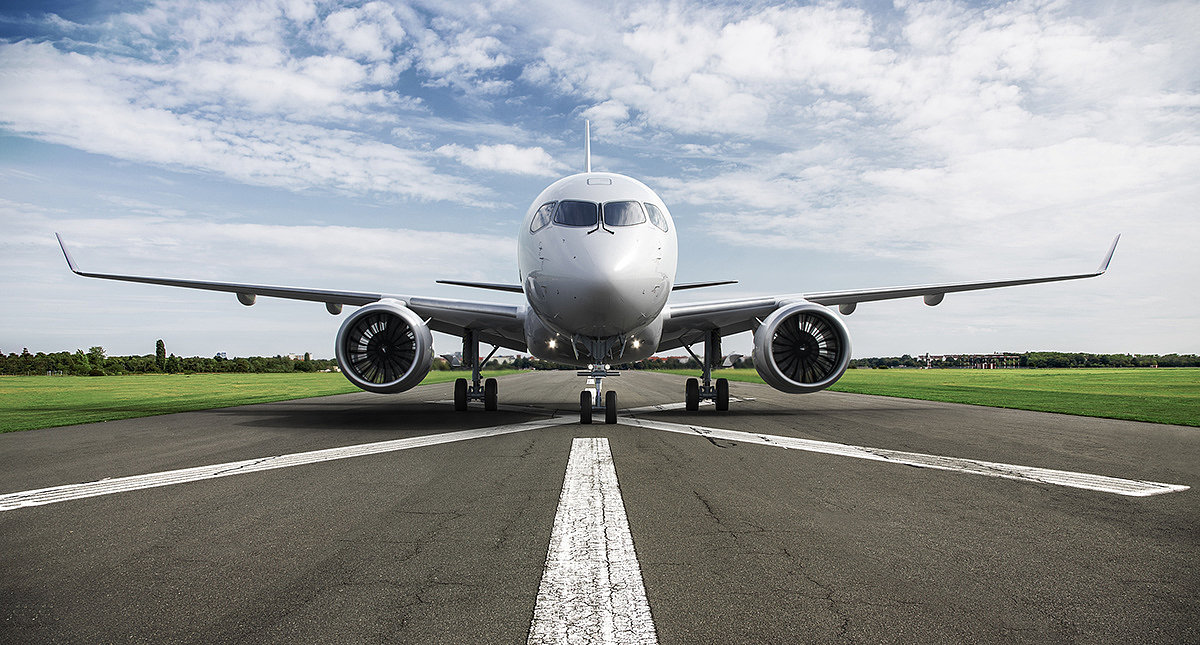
[597, 254]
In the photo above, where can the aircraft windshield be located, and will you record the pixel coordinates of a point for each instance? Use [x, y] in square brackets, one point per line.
[656, 216]
[571, 213]
[623, 213]
[542, 217]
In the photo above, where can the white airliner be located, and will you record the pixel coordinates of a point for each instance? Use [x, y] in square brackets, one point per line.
[596, 254]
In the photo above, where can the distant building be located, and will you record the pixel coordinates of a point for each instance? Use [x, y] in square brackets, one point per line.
[1001, 360]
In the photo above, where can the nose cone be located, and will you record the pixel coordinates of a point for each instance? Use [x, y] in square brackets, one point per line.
[605, 286]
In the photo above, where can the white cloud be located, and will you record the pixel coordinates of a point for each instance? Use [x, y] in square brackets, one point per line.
[879, 135]
[460, 59]
[95, 105]
[505, 158]
[370, 32]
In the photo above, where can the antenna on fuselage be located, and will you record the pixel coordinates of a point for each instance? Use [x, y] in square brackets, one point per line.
[587, 146]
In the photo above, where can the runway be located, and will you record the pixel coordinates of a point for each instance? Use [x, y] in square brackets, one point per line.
[822, 518]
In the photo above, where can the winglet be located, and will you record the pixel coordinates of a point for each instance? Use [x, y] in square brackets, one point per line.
[67, 254]
[1108, 257]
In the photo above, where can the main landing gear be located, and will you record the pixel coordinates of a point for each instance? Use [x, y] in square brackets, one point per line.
[464, 391]
[589, 400]
[694, 391]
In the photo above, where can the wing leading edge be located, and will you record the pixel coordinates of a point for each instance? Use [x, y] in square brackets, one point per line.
[498, 324]
[932, 291]
[686, 323]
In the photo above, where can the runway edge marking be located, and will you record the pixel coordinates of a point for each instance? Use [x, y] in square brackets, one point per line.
[1087, 481]
[53, 494]
[591, 589]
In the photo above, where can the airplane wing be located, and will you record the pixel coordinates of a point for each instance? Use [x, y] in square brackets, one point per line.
[686, 323]
[497, 324]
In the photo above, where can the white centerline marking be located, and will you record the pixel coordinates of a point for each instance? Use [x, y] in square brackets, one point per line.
[591, 589]
[1102, 483]
[41, 496]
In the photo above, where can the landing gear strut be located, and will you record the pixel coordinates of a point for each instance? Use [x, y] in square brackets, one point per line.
[694, 391]
[488, 392]
[589, 400]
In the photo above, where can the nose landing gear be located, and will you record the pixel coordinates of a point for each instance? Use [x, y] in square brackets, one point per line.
[589, 400]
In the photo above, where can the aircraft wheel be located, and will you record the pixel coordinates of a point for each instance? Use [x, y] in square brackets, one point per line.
[610, 407]
[490, 395]
[460, 394]
[722, 394]
[692, 400]
[585, 406]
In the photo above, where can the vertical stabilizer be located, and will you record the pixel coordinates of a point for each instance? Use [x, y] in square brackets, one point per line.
[587, 146]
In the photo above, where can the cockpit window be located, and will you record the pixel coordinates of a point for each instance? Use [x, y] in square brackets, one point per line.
[542, 217]
[623, 213]
[572, 213]
[656, 216]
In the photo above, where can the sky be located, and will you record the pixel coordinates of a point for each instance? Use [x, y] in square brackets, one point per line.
[380, 146]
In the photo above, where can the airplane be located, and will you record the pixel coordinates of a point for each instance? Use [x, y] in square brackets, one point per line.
[596, 254]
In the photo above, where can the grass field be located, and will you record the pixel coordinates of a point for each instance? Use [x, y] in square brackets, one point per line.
[1155, 395]
[28, 402]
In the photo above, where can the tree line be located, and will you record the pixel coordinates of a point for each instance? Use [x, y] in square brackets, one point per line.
[1035, 360]
[95, 362]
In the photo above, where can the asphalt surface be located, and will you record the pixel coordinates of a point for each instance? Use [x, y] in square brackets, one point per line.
[736, 542]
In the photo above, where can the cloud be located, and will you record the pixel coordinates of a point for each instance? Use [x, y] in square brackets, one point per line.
[284, 94]
[505, 158]
[885, 133]
[460, 59]
[95, 105]
[371, 32]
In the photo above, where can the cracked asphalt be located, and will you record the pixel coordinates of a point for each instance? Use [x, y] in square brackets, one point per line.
[736, 542]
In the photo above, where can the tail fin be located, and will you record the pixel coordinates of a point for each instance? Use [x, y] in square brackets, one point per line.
[587, 146]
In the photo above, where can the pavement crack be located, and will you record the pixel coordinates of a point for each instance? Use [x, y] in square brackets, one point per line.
[827, 592]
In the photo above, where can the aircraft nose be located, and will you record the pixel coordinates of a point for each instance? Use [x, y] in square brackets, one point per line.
[618, 302]
[611, 288]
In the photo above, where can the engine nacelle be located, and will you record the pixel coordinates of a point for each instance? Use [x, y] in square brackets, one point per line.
[384, 347]
[801, 348]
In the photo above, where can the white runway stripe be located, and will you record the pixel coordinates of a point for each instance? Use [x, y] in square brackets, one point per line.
[10, 501]
[591, 589]
[1130, 487]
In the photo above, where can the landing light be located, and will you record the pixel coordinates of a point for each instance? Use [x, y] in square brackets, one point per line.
[552, 344]
[636, 343]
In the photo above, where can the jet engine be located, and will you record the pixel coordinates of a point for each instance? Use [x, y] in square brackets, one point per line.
[801, 348]
[384, 347]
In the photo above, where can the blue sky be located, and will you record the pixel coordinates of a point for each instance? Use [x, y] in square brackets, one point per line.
[382, 146]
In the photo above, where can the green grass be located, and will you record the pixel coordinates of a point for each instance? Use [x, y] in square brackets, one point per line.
[29, 402]
[1156, 395]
